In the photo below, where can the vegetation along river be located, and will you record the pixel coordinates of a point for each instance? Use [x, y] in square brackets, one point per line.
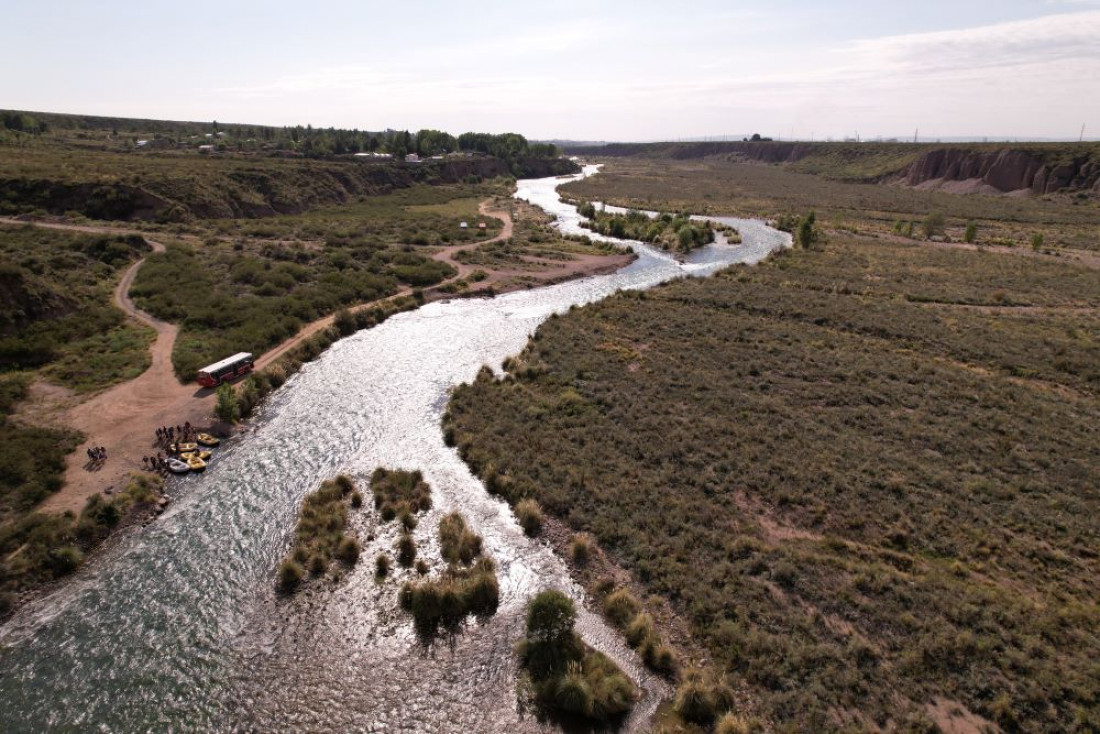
[177, 626]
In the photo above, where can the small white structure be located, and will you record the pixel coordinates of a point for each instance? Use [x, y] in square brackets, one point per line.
[142, 143]
[464, 226]
[412, 158]
[206, 148]
[222, 135]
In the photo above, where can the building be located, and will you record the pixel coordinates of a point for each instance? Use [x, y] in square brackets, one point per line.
[412, 158]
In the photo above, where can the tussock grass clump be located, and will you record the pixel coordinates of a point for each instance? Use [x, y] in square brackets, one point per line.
[319, 536]
[381, 565]
[695, 700]
[568, 676]
[406, 550]
[731, 723]
[624, 611]
[290, 574]
[400, 494]
[458, 544]
[453, 596]
[620, 607]
[529, 514]
[581, 549]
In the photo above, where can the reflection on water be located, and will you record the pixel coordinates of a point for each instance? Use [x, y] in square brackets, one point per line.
[177, 627]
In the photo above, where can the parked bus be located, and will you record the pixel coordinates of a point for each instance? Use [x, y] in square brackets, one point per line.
[227, 369]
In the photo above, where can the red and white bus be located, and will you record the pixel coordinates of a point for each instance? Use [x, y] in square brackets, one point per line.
[230, 367]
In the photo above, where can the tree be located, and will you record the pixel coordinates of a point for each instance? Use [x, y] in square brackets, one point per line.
[933, 224]
[550, 617]
[971, 232]
[807, 234]
[225, 406]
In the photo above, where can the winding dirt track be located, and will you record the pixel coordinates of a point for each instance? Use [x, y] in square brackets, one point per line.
[123, 419]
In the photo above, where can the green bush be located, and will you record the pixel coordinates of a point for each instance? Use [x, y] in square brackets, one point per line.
[568, 676]
[971, 234]
[933, 224]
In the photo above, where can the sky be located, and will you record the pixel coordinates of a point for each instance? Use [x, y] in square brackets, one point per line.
[566, 69]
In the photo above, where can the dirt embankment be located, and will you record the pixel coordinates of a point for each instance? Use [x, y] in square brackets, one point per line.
[253, 188]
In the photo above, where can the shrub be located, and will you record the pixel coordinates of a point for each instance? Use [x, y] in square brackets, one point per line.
[640, 629]
[1037, 241]
[348, 550]
[406, 550]
[550, 617]
[659, 657]
[356, 500]
[732, 724]
[933, 224]
[620, 608]
[382, 565]
[225, 406]
[7, 603]
[290, 574]
[482, 591]
[572, 692]
[400, 494]
[971, 233]
[581, 549]
[422, 567]
[694, 701]
[65, 560]
[449, 599]
[458, 544]
[529, 514]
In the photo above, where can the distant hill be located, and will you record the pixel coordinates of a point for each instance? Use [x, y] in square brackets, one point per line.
[990, 168]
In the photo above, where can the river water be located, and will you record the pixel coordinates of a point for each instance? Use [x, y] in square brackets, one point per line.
[177, 627]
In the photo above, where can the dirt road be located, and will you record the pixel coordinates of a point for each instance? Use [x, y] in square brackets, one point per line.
[123, 419]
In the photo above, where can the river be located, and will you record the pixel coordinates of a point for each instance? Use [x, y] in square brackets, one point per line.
[177, 627]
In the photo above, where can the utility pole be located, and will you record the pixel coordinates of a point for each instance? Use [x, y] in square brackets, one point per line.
[1082, 138]
[916, 134]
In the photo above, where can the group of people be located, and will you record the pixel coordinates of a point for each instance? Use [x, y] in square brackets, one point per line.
[167, 435]
[158, 463]
[97, 454]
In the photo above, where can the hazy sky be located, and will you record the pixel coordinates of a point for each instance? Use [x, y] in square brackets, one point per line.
[565, 69]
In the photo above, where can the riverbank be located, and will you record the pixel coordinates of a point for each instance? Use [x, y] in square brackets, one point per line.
[814, 462]
[198, 585]
[124, 418]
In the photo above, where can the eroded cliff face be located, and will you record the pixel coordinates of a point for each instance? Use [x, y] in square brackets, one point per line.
[1039, 169]
[1006, 171]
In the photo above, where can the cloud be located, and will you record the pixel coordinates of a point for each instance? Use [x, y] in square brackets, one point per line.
[1020, 78]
